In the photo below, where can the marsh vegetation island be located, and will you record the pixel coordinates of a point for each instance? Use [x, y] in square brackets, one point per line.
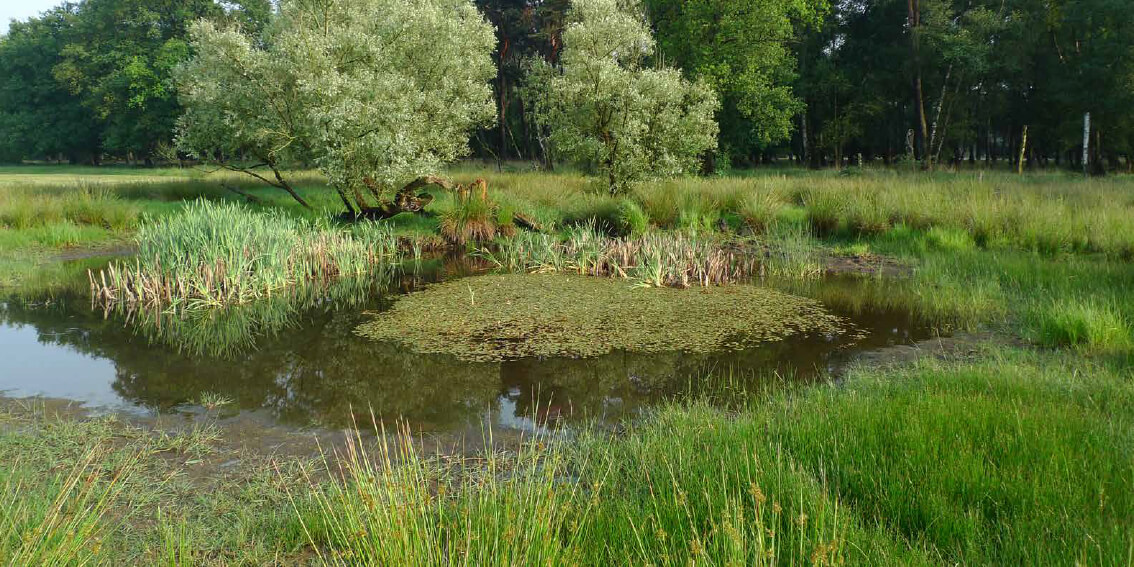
[566, 282]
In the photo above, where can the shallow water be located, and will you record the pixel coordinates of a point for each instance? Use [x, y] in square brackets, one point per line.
[298, 359]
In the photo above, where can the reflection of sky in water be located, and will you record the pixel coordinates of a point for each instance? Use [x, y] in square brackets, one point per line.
[314, 370]
[33, 368]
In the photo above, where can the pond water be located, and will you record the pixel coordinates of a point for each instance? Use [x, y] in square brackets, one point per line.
[298, 359]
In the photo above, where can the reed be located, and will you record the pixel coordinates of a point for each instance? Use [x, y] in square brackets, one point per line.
[669, 259]
[220, 253]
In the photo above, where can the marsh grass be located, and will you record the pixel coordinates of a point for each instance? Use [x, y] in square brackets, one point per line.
[792, 253]
[392, 506]
[659, 259]
[1080, 323]
[1012, 459]
[64, 520]
[82, 203]
[649, 499]
[1049, 214]
[220, 253]
[1046, 213]
[473, 219]
[760, 210]
[1012, 456]
[633, 219]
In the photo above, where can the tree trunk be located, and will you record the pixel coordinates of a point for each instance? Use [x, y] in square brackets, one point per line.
[1023, 148]
[803, 137]
[937, 120]
[914, 18]
[1086, 142]
[407, 200]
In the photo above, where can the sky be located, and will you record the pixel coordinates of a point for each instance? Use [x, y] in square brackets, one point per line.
[22, 10]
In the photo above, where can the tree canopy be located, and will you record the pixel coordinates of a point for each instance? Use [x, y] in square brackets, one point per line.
[609, 111]
[742, 50]
[372, 92]
[824, 83]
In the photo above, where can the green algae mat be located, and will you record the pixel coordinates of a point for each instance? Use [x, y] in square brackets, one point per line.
[502, 317]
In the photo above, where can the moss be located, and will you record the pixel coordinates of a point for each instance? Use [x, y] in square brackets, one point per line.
[499, 317]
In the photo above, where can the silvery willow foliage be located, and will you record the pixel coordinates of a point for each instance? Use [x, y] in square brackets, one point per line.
[372, 92]
[605, 109]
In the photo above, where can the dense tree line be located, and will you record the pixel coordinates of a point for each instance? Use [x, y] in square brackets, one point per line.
[939, 82]
[94, 79]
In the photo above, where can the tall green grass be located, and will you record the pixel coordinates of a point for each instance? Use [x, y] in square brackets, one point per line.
[1012, 459]
[217, 253]
[669, 259]
[1082, 323]
[1050, 214]
[1016, 459]
[393, 506]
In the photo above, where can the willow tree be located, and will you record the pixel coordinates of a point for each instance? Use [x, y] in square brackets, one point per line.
[608, 108]
[374, 93]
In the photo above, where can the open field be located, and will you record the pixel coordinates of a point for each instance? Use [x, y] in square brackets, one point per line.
[1015, 446]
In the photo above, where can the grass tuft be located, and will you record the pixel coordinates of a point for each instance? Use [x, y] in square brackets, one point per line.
[1083, 324]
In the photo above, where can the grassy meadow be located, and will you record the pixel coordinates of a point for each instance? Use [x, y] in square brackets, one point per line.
[1016, 447]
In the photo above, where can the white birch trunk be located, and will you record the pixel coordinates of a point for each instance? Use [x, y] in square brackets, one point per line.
[1086, 142]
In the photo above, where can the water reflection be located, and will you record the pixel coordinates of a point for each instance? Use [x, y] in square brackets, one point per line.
[297, 355]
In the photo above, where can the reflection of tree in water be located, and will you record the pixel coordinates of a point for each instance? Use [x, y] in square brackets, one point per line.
[322, 371]
[318, 371]
[298, 356]
[621, 384]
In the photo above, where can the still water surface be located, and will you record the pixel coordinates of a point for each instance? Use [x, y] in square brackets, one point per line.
[297, 359]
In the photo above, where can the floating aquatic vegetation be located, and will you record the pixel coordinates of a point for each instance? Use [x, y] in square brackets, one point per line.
[501, 317]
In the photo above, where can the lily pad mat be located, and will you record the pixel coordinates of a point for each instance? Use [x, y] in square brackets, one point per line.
[501, 317]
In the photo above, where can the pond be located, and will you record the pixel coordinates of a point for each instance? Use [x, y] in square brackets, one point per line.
[298, 359]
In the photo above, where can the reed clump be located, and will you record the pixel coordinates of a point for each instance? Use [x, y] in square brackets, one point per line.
[220, 253]
[474, 217]
[660, 259]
